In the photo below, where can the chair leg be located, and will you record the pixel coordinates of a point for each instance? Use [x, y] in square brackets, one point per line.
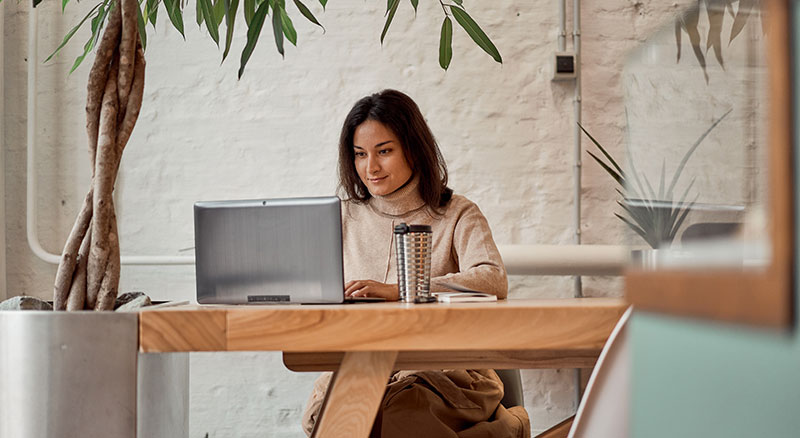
[560, 430]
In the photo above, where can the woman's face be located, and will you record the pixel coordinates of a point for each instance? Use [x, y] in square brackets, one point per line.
[379, 158]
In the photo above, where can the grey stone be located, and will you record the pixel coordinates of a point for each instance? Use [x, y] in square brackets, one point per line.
[127, 297]
[135, 304]
[23, 302]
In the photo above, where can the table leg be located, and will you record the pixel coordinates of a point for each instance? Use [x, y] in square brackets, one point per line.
[355, 394]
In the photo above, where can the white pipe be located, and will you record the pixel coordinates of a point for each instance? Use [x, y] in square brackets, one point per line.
[562, 25]
[565, 259]
[576, 46]
[31, 210]
[33, 63]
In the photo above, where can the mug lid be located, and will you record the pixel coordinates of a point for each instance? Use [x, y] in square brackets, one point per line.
[403, 228]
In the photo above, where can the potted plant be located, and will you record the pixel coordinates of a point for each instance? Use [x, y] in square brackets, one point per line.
[654, 213]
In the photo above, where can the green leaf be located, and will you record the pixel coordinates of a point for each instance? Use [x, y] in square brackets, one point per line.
[230, 20]
[175, 15]
[415, 3]
[459, 2]
[36, 3]
[638, 231]
[680, 203]
[142, 27]
[392, 10]
[446, 43]
[690, 20]
[691, 150]
[476, 33]
[640, 215]
[683, 217]
[199, 13]
[249, 11]
[69, 34]
[635, 174]
[253, 32]
[608, 169]
[63, 5]
[219, 11]
[97, 28]
[208, 17]
[742, 14]
[603, 150]
[152, 11]
[323, 3]
[650, 187]
[716, 15]
[277, 26]
[288, 28]
[307, 13]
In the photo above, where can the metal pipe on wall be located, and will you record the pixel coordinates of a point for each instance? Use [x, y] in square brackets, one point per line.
[3, 287]
[576, 46]
[562, 25]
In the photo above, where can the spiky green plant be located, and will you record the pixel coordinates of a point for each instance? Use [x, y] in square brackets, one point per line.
[654, 215]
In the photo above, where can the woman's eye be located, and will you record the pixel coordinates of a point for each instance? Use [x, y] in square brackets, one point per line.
[384, 151]
[360, 154]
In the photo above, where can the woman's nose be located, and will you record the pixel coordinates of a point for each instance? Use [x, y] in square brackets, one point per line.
[373, 165]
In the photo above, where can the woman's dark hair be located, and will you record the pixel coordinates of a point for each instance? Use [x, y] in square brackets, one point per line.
[399, 113]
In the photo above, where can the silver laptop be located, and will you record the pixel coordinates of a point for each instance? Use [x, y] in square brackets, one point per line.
[269, 251]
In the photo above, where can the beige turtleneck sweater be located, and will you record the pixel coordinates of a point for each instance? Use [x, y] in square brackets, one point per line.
[463, 249]
[450, 403]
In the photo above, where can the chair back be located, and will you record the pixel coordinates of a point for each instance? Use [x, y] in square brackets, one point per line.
[605, 407]
[512, 388]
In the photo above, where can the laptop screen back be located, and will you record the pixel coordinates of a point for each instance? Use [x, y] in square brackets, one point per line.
[269, 251]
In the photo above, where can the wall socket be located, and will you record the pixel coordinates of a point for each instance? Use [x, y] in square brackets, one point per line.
[564, 67]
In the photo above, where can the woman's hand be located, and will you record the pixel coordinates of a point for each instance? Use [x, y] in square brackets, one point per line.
[370, 288]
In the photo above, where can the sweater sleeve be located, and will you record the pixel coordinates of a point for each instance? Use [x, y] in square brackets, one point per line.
[479, 263]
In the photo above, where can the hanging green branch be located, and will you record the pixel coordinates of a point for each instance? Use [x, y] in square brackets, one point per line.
[213, 14]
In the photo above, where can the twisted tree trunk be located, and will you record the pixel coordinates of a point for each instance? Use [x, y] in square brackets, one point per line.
[88, 275]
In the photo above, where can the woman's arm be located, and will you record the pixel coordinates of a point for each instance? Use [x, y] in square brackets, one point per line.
[479, 263]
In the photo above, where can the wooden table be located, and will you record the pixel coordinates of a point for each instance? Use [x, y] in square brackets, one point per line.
[363, 343]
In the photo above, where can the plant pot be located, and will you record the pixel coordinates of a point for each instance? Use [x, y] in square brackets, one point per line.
[645, 259]
[79, 374]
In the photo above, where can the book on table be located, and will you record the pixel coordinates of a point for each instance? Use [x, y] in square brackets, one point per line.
[462, 294]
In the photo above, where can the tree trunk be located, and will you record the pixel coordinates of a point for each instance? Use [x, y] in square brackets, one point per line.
[88, 275]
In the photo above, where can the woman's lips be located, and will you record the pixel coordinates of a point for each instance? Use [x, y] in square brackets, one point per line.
[376, 180]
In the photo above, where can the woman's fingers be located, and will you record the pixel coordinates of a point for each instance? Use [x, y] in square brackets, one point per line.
[358, 288]
[370, 288]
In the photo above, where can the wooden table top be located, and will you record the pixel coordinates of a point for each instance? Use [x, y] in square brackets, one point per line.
[546, 324]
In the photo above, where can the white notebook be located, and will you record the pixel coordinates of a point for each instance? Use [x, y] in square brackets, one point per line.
[464, 295]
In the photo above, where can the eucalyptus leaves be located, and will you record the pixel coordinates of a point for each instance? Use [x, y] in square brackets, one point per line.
[689, 22]
[212, 13]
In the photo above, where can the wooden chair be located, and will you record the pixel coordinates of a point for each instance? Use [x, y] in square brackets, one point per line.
[604, 409]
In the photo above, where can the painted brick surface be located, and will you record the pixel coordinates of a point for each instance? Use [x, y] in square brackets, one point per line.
[505, 130]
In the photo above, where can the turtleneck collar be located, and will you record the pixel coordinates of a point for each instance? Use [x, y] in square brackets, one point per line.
[403, 200]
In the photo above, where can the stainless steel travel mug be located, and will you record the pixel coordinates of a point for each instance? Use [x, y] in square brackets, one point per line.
[413, 246]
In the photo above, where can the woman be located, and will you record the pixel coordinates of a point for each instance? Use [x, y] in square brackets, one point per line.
[391, 171]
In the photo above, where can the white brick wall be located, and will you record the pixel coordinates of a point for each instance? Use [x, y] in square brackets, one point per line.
[505, 130]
